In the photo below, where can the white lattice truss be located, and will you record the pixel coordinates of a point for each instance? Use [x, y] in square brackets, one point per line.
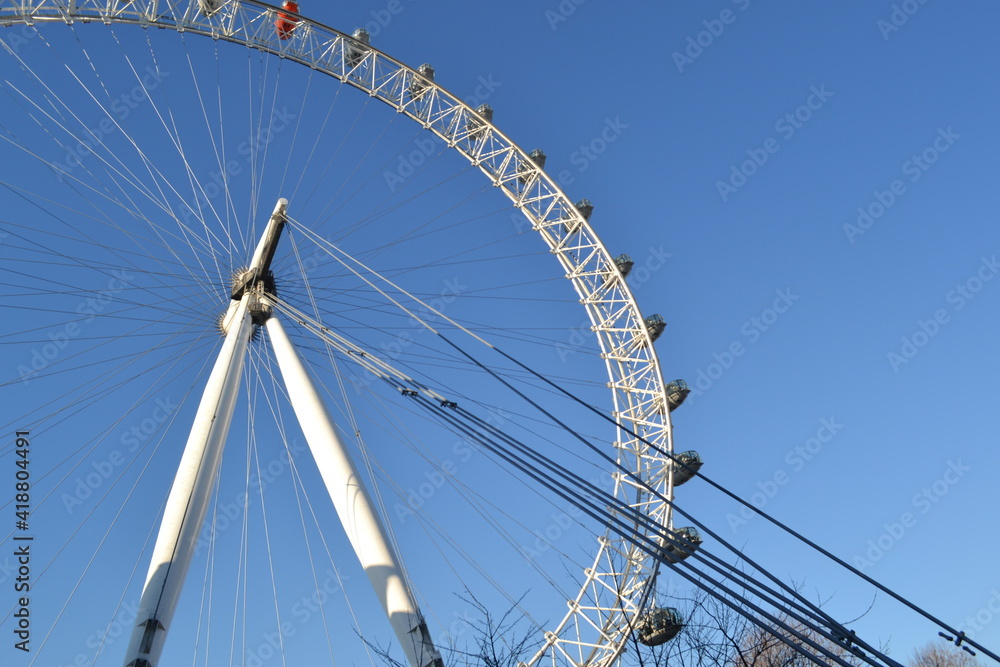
[602, 617]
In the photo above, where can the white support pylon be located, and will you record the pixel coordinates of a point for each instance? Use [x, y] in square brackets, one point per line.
[191, 491]
[354, 506]
[189, 496]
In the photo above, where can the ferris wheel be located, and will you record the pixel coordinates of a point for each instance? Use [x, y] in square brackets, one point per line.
[226, 223]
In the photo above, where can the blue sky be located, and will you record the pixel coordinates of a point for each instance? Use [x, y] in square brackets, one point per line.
[808, 194]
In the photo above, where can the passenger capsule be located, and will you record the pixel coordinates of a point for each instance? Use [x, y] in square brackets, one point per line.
[676, 392]
[585, 209]
[475, 126]
[209, 7]
[624, 263]
[685, 542]
[353, 54]
[524, 169]
[285, 24]
[658, 626]
[685, 465]
[655, 326]
[421, 81]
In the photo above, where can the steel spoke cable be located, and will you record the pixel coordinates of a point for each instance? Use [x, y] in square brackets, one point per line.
[596, 510]
[131, 177]
[94, 392]
[776, 522]
[323, 216]
[643, 517]
[335, 154]
[97, 440]
[826, 619]
[99, 389]
[487, 517]
[355, 428]
[316, 144]
[131, 577]
[376, 212]
[175, 136]
[713, 562]
[175, 141]
[295, 132]
[25, 196]
[208, 581]
[230, 204]
[153, 171]
[611, 520]
[644, 440]
[280, 394]
[100, 79]
[268, 550]
[219, 156]
[61, 366]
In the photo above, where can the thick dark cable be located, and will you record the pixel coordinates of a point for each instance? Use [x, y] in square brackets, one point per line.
[838, 631]
[832, 630]
[711, 560]
[830, 621]
[750, 506]
[654, 550]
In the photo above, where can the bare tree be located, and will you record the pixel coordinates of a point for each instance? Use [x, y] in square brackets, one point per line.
[775, 648]
[935, 654]
[496, 641]
[502, 641]
[715, 635]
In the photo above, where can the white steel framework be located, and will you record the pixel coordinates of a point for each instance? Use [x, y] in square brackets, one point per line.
[601, 617]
